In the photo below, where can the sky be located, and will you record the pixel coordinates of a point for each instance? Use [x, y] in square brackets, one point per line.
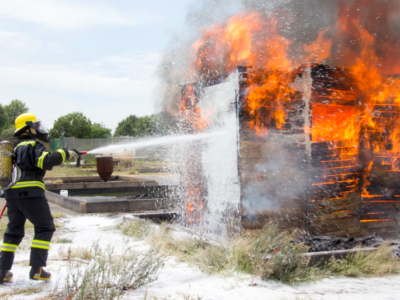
[97, 57]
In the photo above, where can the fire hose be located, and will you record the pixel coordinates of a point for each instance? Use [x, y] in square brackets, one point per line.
[3, 210]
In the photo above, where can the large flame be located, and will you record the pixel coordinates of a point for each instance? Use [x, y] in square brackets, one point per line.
[365, 117]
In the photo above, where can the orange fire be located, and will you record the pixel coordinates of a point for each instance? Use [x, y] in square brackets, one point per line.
[360, 114]
[375, 220]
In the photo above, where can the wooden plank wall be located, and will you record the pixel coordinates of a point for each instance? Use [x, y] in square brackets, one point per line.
[321, 191]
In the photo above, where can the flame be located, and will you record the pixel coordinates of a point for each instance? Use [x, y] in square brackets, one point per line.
[358, 117]
[375, 220]
[319, 50]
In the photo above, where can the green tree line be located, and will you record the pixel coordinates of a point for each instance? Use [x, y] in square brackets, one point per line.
[8, 114]
[77, 125]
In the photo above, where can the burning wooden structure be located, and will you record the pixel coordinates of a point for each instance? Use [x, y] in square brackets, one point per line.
[330, 166]
[316, 130]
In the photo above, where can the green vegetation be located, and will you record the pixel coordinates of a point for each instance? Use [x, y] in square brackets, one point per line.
[58, 215]
[65, 171]
[74, 124]
[145, 126]
[140, 126]
[3, 118]
[8, 114]
[126, 126]
[14, 109]
[108, 275]
[99, 131]
[7, 133]
[270, 254]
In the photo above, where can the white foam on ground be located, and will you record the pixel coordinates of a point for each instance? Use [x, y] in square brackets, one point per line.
[178, 279]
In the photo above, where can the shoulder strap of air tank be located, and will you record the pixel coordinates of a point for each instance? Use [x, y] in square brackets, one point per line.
[13, 166]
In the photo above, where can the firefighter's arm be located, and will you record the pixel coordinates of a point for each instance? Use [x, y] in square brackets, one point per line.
[46, 160]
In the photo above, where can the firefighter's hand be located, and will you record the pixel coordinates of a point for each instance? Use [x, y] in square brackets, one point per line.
[73, 154]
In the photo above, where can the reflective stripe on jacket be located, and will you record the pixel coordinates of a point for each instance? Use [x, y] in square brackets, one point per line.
[32, 156]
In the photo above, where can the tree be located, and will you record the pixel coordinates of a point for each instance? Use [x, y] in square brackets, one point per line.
[126, 126]
[166, 124]
[14, 109]
[4, 120]
[74, 124]
[7, 133]
[99, 131]
[145, 126]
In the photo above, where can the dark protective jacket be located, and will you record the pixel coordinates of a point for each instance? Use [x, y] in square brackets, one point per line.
[33, 160]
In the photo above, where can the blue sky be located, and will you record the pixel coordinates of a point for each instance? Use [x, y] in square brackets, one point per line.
[94, 56]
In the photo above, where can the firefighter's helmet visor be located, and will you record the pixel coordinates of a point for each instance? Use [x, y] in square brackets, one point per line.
[42, 133]
[40, 128]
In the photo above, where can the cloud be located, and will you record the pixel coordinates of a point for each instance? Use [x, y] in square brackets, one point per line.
[106, 90]
[139, 65]
[66, 78]
[17, 42]
[60, 14]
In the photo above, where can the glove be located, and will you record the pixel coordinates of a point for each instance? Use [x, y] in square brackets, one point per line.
[73, 154]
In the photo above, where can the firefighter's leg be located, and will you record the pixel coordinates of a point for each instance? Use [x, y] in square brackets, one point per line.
[38, 212]
[12, 238]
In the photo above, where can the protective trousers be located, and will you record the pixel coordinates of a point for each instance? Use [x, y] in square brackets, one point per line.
[36, 210]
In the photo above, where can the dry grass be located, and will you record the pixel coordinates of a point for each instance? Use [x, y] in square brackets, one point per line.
[81, 252]
[4, 222]
[58, 240]
[108, 275]
[270, 254]
[29, 290]
[67, 171]
[184, 297]
[28, 225]
[136, 228]
[58, 215]
[366, 264]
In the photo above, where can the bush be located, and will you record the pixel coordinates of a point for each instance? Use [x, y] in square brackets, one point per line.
[374, 263]
[270, 254]
[108, 275]
[136, 228]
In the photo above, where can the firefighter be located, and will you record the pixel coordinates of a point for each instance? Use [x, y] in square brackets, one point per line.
[26, 197]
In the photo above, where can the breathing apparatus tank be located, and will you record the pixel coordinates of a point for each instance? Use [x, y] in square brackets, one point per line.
[6, 164]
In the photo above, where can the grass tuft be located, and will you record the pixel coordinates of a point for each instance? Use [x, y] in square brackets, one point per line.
[58, 240]
[136, 228]
[108, 275]
[29, 290]
[270, 254]
[366, 264]
[58, 215]
[64, 171]
[81, 252]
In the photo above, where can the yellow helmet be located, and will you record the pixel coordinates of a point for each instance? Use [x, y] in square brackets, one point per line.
[21, 120]
[28, 120]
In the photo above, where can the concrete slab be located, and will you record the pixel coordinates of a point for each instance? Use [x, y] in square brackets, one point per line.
[53, 207]
[109, 204]
[83, 185]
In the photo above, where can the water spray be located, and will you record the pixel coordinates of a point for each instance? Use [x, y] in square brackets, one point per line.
[164, 140]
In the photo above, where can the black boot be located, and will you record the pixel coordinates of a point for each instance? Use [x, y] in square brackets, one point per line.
[5, 276]
[38, 273]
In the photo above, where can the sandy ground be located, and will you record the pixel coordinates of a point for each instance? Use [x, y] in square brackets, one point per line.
[181, 281]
